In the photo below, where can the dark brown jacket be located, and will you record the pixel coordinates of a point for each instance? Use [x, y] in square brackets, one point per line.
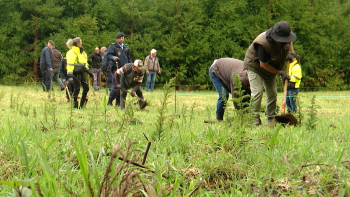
[96, 60]
[223, 69]
[56, 58]
[277, 52]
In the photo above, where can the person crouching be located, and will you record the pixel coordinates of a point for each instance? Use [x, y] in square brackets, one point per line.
[130, 76]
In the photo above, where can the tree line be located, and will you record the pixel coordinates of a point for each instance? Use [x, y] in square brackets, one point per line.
[188, 34]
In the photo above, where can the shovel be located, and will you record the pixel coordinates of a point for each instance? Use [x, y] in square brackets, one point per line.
[67, 91]
[286, 118]
[144, 103]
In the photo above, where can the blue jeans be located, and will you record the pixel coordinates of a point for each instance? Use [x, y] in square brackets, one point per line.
[290, 101]
[219, 86]
[151, 78]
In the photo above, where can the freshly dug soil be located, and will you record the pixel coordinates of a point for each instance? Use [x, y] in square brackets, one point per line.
[287, 119]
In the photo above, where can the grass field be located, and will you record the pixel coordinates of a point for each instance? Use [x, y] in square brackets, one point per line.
[49, 149]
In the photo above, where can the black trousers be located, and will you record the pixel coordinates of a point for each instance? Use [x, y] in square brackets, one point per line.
[80, 80]
[46, 82]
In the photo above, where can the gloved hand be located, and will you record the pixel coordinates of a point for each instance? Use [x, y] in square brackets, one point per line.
[159, 72]
[290, 57]
[119, 86]
[284, 77]
[51, 70]
[132, 93]
[115, 58]
[65, 82]
[90, 73]
[70, 80]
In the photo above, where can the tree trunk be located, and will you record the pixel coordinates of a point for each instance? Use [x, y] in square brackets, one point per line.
[131, 22]
[35, 67]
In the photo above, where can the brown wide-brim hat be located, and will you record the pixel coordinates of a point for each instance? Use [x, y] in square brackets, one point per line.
[281, 32]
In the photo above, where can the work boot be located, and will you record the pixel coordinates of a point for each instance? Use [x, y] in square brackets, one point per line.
[110, 102]
[122, 104]
[83, 102]
[76, 103]
[117, 102]
[219, 116]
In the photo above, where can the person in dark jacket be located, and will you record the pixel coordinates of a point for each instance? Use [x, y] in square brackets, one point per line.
[115, 62]
[130, 76]
[56, 62]
[65, 78]
[45, 65]
[106, 69]
[264, 60]
[96, 58]
[220, 73]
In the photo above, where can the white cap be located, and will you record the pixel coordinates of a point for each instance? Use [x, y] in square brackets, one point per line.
[153, 50]
[138, 63]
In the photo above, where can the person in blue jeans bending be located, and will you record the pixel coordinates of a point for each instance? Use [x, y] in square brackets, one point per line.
[152, 68]
[294, 78]
[220, 73]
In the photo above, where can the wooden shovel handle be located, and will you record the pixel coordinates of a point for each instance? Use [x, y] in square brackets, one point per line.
[285, 90]
[67, 91]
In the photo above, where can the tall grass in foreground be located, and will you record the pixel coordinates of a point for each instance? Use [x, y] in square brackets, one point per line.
[54, 150]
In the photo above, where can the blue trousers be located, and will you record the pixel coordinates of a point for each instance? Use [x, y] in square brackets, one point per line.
[290, 101]
[219, 86]
[151, 79]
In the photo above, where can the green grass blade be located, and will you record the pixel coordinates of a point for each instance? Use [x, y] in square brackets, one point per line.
[95, 171]
[26, 160]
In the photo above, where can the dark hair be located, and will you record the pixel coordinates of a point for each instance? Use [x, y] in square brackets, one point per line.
[294, 55]
[76, 41]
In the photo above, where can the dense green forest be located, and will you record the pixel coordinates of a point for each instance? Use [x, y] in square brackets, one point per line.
[188, 34]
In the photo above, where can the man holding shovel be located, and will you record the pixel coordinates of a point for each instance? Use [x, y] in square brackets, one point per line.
[130, 76]
[264, 60]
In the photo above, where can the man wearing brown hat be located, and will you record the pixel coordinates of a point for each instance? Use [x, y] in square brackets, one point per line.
[118, 55]
[264, 60]
[45, 65]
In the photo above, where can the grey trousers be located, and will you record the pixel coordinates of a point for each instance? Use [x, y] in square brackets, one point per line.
[55, 76]
[97, 78]
[257, 85]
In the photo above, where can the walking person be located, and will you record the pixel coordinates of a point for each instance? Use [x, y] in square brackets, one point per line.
[264, 60]
[220, 73]
[294, 79]
[130, 76]
[96, 59]
[65, 79]
[56, 62]
[45, 66]
[152, 68]
[76, 68]
[118, 55]
[106, 68]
